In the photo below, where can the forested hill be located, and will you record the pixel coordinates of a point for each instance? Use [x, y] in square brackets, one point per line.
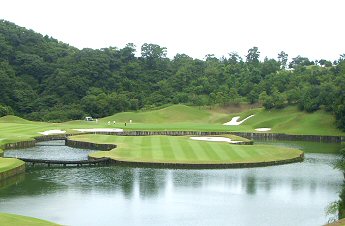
[44, 79]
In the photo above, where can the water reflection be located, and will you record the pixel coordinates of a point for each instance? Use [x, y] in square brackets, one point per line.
[145, 196]
[51, 150]
[12, 181]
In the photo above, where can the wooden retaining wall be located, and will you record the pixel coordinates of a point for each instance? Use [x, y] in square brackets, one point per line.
[251, 136]
[209, 166]
[53, 137]
[20, 144]
[89, 162]
[12, 172]
[282, 136]
[89, 145]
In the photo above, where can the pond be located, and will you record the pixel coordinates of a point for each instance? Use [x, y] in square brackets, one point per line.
[293, 194]
[50, 150]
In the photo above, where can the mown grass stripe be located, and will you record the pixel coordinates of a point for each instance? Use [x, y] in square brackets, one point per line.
[231, 153]
[218, 147]
[178, 150]
[146, 152]
[243, 152]
[188, 150]
[210, 152]
[199, 150]
[157, 149]
[167, 150]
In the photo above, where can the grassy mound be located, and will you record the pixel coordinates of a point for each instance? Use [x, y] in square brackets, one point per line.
[13, 119]
[183, 150]
[171, 114]
[13, 219]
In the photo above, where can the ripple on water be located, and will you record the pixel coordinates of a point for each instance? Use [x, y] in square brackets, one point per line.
[50, 152]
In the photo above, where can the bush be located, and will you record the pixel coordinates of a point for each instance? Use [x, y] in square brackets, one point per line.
[5, 110]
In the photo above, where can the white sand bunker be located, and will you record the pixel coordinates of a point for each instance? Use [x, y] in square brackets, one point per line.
[100, 130]
[51, 132]
[216, 139]
[234, 121]
[263, 129]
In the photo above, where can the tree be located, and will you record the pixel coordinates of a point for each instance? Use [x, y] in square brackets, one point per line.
[253, 55]
[300, 61]
[279, 99]
[283, 59]
[153, 54]
[325, 63]
[5, 110]
[310, 100]
[267, 101]
[340, 116]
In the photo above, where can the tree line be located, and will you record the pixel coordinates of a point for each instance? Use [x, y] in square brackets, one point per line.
[44, 79]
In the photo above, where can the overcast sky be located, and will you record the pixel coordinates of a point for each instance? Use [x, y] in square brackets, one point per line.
[311, 28]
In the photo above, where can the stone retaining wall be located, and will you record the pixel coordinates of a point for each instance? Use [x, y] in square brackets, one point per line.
[12, 172]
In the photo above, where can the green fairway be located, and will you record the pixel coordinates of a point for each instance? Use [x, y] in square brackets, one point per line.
[180, 117]
[183, 118]
[173, 149]
[7, 219]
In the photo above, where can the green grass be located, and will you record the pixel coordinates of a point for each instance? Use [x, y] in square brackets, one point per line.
[172, 149]
[183, 118]
[9, 163]
[171, 114]
[179, 117]
[7, 219]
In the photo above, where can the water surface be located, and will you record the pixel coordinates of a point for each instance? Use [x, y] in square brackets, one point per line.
[294, 194]
[50, 150]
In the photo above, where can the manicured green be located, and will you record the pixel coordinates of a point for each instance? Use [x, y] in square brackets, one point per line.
[173, 149]
[7, 219]
[9, 163]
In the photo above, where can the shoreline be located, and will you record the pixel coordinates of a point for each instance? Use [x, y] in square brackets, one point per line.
[248, 135]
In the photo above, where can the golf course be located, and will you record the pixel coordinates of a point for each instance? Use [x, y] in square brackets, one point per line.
[179, 149]
[215, 151]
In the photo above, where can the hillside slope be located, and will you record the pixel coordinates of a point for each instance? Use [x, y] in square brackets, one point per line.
[288, 120]
[185, 118]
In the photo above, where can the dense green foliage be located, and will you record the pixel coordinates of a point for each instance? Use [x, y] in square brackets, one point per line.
[44, 79]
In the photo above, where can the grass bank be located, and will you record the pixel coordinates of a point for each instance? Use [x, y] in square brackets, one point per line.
[7, 164]
[7, 219]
